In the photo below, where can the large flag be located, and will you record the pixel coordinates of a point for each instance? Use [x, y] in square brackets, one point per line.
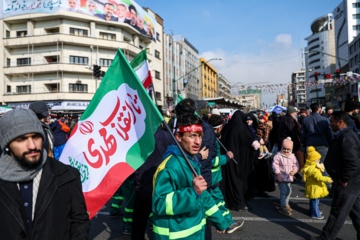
[140, 64]
[114, 135]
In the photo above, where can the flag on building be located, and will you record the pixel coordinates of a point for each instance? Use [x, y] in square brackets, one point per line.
[114, 135]
[140, 64]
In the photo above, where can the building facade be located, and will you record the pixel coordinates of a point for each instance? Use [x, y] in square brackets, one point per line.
[250, 98]
[298, 87]
[208, 80]
[320, 57]
[224, 87]
[49, 57]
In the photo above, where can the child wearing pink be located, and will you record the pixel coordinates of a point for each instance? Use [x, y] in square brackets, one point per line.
[285, 166]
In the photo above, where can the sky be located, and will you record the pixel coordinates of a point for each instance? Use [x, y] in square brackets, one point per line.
[258, 41]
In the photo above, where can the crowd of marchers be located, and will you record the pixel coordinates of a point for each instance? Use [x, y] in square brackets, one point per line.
[200, 169]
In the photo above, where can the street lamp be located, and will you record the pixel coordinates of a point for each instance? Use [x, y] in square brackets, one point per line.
[175, 80]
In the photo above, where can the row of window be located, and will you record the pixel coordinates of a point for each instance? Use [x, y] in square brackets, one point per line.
[73, 87]
[73, 60]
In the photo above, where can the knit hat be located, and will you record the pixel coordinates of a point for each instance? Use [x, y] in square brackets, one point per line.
[40, 108]
[350, 105]
[312, 154]
[264, 115]
[287, 143]
[215, 111]
[185, 106]
[16, 123]
[291, 109]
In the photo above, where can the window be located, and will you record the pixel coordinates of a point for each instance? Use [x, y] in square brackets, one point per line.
[356, 5]
[356, 27]
[158, 96]
[157, 75]
[78, 32]
[158, 36]
[356, 16]
[23, 89]
[107, 36]
[157, 54]
[23, 61]
[7, 34]
[105, 62]
[8, 88]
[79, 60]
[21, 33]
[54, 30]
[8, 62]
[52, 59]
[78, 87]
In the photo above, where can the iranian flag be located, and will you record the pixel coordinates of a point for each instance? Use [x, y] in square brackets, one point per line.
[114, 136]
[140, 64]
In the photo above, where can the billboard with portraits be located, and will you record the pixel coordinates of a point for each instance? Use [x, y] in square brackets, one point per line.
[122, 11]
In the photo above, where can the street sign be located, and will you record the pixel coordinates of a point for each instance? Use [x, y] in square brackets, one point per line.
[211, 103]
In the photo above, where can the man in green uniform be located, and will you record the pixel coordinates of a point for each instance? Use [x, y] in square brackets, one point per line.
[180, 202]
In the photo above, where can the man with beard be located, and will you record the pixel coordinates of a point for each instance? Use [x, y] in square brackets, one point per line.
[40, 198]
[133, 14]
[108, 13]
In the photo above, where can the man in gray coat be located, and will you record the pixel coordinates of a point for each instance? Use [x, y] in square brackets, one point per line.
[40, 198]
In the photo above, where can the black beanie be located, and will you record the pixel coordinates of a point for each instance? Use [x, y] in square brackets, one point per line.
[350, 106]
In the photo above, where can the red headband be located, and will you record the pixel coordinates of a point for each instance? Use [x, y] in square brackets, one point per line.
[191, 128]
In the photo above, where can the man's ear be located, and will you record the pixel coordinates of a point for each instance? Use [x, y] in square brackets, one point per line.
[178, 137]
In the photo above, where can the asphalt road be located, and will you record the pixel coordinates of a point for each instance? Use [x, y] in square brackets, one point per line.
[262, 221]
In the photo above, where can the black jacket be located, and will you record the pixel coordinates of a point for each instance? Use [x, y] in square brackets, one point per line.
[144, 174]
[60, 211]
[209, 141]
[289, 127]
[342, 161]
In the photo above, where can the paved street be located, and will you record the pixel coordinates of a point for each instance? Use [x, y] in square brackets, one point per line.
[262, 221]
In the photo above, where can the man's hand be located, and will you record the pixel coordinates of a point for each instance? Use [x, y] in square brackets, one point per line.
[199, 184]
[204, 153]
[279, 178]
[343, 184]
[230, 154]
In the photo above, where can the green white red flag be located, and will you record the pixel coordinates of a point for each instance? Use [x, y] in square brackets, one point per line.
[140, 64]
[114, 136]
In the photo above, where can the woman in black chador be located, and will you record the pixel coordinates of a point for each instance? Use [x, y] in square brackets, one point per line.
[237, 137]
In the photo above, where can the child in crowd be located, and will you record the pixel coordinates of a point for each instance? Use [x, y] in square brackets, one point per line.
[262, 132]
[216, 121]
[285, 166]
[315, 187]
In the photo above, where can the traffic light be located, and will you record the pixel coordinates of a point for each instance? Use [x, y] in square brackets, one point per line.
[338, 73]
[96, 70]
[316, 76]
[328, 76]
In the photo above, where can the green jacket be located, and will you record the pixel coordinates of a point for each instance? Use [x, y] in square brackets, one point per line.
[179, 213]
[217, 162]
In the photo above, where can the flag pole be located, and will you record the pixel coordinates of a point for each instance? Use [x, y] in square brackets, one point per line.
[222, 145]
[154, 95]
[181, 150]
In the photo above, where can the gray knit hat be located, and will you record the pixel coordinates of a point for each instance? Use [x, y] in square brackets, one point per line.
[16, 123]
[290, 110]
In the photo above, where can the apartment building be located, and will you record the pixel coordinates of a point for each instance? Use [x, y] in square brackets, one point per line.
[49, 57]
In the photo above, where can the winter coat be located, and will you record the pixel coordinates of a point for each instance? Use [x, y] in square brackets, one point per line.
[60, 210]
[284, 165]
[342, 161]
[178, 212]
[263, 131]
[314, 180]
[289, 127]
[209, 141]
[315, 130]
[59, 130]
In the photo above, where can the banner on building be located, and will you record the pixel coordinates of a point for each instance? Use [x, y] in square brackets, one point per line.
[121, 11]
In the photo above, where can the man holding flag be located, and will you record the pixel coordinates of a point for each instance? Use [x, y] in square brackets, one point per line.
[180, 202]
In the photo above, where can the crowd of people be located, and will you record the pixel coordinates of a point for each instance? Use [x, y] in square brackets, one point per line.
[199, 170]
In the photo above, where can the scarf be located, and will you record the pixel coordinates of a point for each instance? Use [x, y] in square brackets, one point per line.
[12, 171]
